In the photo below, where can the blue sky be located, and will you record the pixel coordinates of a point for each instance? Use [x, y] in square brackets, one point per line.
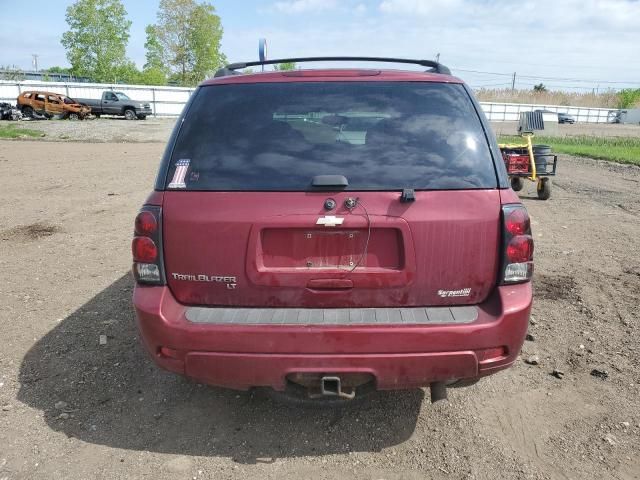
[572, 44]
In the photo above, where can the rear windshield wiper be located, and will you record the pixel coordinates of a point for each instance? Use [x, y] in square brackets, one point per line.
[330, 181]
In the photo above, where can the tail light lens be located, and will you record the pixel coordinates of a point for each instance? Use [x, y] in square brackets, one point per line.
[146, 247]
[146, 223]
[144, 250]
[517, 255]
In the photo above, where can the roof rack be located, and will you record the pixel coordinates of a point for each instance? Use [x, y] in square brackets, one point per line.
[433, 66]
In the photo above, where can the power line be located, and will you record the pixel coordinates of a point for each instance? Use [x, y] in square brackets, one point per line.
[536, 77]
[486, 73]
[491, 85]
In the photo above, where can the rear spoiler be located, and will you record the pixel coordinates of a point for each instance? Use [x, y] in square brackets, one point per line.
[434, 67]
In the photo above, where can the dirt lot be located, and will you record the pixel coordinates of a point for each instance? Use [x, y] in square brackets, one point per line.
[101, 130]
[71, 408]
[152, 130]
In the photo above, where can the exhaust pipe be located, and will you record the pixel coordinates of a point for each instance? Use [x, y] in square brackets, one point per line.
[438, 391]
[332, 387]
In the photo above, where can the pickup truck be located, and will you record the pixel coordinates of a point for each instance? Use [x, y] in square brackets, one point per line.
[117, 103]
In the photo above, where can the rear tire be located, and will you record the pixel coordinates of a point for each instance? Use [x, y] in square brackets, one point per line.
[27, 112]
[517, 183]
[544, 188]
[130, 114]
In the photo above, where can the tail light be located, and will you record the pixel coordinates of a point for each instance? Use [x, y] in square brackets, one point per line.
[146, 247]
[517, 245]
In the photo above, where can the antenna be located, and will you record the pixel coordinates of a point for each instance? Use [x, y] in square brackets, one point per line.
[262, 51]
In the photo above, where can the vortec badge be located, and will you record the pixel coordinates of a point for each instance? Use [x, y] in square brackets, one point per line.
[330, 221]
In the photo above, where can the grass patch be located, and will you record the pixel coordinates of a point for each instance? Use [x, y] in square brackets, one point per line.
[618, 149]
[13, 131]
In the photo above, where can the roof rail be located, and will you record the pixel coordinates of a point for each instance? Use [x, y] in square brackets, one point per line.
[433, 66]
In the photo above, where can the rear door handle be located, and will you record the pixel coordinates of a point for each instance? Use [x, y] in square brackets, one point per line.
[330, 284]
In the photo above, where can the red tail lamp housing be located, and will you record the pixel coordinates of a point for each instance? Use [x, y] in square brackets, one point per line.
[516, 222]
[144, 250]
[520, 249]
[146, 223]
[146, 247]
[517, 245]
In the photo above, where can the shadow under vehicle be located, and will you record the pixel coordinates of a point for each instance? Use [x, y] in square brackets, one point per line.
[115, 396]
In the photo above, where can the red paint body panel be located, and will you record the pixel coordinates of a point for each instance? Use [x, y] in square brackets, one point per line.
[445, 240]
[399, 356]
[270, 244]
[334, 75]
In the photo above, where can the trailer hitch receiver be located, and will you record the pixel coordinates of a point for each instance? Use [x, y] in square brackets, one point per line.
[331, 386]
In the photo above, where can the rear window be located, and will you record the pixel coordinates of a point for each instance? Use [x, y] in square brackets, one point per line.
[379, 135]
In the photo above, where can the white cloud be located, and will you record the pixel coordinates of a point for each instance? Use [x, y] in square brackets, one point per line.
[304, 6]
[418, 7]
[545, 14]
[577, 39]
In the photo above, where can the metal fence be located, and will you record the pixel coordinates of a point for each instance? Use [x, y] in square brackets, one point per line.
[165, 101]
[169, 101]
[510, 112]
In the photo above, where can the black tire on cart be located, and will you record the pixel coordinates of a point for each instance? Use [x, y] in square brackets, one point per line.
[517, 183]
[541, 149]
[544, 188]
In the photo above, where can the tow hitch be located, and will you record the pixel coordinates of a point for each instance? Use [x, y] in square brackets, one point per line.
[332, 387]
[341, 386]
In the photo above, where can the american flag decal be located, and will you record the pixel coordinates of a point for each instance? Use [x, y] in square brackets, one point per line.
[180, 174]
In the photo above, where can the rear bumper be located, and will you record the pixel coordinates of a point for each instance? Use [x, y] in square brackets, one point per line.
[242, 356]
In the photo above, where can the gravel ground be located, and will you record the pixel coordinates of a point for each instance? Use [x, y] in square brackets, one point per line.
[71, 408]
[152, 130]
[99, 130]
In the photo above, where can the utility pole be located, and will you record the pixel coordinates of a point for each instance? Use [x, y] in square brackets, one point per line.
[34, 61]
[513, 82]
[438, 57]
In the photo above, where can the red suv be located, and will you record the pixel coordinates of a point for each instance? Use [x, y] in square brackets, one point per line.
[329, 232]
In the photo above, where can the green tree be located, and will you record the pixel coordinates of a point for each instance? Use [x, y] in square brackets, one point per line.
[153, 76]
[127, 72]
[56, 69]
[205, 34]
[97, 38]
[539, 88]
[189, 34]
[629, 98]
[285, 66]
[154, 71]
[154, 55]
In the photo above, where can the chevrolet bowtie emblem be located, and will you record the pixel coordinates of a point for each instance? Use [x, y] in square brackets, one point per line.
[330, 221]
